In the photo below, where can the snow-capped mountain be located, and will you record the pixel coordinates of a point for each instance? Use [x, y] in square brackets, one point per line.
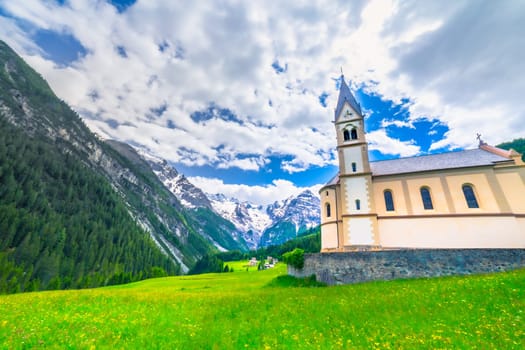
[207, 222]
[291, 217]
[248, 218]
[189, 195]
[252, 225]
[272, 224]
[300, 209]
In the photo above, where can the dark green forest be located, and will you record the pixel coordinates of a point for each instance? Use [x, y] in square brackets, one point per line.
[62, 225]
[73, 207]
[310, 242]
[517, 144]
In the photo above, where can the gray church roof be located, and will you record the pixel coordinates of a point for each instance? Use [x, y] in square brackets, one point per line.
[450, 160]
[346, 95]
[334, 180]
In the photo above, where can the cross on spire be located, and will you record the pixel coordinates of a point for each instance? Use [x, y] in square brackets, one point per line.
[478, 137]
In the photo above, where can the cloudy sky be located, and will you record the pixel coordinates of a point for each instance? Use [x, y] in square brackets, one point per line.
[239, 95]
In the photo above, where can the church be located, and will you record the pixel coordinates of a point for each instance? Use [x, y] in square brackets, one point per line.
[466, 199]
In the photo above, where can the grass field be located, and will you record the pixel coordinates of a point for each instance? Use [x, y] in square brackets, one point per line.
[240, 311]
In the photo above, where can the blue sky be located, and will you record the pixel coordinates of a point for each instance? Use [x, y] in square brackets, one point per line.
[240, 97]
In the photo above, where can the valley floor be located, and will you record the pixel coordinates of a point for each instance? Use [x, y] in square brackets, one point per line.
[240, 311]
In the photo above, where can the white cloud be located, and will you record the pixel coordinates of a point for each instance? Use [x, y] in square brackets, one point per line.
[398, 123]
[380, 141]
[263, 195]
[226, 58]
[459, 63]
[478, 121]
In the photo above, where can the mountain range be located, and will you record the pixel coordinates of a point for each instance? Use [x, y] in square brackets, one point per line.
[78, 211]
[272, 224]
[255, 225]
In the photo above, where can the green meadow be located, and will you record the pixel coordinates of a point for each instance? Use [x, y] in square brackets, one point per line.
[250, 309]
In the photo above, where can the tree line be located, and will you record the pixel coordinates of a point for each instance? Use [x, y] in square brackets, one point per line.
[309, 242]
[517, 144]
[62, 225]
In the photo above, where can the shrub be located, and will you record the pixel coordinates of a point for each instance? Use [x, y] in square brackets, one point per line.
[286, 281]
[295, 258]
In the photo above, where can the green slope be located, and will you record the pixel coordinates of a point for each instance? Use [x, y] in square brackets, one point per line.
[218, 229]
[75, 209]
[154, 204]
[61, 224]
[309, 241]
[241, 311]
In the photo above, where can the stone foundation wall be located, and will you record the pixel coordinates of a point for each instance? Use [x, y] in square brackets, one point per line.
[361, 266]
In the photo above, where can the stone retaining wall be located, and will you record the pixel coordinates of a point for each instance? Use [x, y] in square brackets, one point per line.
[354, 267]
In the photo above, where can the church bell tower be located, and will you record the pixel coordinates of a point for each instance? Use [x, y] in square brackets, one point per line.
[358, 226]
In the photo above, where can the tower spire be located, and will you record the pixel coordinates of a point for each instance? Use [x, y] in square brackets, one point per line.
[345, 95]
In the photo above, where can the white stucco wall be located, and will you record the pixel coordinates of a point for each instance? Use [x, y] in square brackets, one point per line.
[453, 232]
[329, 236]
[360, 231]
[355, 188]
[347, 113]
[353, 155]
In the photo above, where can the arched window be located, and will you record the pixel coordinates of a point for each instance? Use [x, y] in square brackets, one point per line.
[354, 167]
[354, 134]
[357, 204]
[425, 197]
[346, 135]
[470, 197]
[389, 201]
[328, 210]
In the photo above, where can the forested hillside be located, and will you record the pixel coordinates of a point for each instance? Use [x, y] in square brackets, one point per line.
[75, 211]
[518, 145]
[62, 225]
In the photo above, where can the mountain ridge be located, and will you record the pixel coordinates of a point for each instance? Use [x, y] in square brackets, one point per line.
[257, 225]
[217, 229]
[141, 216]
[113, 219]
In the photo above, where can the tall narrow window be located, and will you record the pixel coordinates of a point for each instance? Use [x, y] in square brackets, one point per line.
[328, 210]
[346, 135]
[389, 201]
[357, 204]
[354, 167]
[354, 134]
[470, 197]
[425, 197]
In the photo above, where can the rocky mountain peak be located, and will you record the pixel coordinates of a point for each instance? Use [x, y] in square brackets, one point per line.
[189, 195]
[260, 223]
[252, 222]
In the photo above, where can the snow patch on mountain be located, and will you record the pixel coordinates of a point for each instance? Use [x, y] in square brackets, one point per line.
[189, 195]
[251, 220]
[301, 212]
[262, 225]
[258, 225]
